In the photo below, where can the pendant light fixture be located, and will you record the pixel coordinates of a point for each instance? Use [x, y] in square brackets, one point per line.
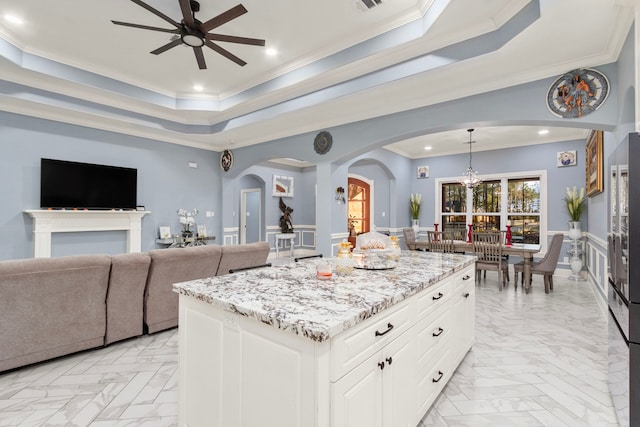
[470, 177]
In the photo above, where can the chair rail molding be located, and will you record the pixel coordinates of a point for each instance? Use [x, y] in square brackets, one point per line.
[46, 222]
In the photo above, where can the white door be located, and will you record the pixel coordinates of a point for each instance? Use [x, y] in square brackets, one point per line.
[250, 215]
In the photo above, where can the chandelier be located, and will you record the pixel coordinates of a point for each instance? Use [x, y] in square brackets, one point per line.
[470, 177]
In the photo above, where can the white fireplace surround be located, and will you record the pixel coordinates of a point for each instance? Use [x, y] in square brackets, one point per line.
[46, 222]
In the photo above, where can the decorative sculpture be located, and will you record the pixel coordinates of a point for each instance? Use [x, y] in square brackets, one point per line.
[285, 219]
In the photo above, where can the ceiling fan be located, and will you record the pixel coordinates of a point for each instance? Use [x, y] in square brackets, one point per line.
[194, 33]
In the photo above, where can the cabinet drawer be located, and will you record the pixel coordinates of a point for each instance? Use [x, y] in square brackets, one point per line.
[434, 376]
[353, 346]
[434, 333]
[463, 278]
[433, 298]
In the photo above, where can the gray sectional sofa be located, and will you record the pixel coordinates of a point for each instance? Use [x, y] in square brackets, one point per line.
[50, 307]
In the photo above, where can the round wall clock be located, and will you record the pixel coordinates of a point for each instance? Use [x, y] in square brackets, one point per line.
[577, 93]
[226, 160]
[322, 143]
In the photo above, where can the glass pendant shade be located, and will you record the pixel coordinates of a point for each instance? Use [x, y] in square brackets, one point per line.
[470, 178]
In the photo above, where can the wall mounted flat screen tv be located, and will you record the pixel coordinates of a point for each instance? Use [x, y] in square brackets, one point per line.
[65, 184]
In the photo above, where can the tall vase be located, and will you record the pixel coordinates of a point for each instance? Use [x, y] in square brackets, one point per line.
[575, 234]
[415, 224]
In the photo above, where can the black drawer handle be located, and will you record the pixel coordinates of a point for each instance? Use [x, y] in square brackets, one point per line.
[438, 297]
[439, 377]
[466, 295]
[389, 360]
[437, 334]
[381, 364]
[389, 328]
[467, 277]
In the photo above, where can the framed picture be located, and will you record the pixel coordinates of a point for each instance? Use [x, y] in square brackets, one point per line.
[282, 186]
[422, 172]
[202, 231]
[594, 163]
[165, 232]
[567, 158]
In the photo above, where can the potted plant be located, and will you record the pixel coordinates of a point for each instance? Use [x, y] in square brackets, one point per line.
[575, 202]
[187, 219]
[415, 202]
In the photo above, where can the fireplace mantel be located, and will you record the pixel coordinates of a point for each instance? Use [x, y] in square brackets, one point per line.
[46, 222]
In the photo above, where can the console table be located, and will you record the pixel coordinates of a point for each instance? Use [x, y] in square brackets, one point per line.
[283, 237]
[183, 242]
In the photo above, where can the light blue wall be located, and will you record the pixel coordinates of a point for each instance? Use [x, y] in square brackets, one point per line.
[165, 182]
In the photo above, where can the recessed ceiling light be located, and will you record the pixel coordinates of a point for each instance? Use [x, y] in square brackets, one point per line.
[198, 88]
[13, 19]
[428, 147]
[271, 51]
[543, 132]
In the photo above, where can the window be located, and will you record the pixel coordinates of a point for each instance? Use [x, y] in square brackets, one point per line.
[524, 209]
[515, 199]
[454, 203]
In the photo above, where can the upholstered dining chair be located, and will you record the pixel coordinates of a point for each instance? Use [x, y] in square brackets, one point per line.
[487, 247]
[546, 266]
[409, 238]
[441, 241]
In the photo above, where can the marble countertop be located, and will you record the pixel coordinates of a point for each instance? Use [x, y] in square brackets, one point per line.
[290, 297]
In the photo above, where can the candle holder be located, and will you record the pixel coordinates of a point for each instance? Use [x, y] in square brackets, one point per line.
[508, 236]
[470, 234]
[435, 234]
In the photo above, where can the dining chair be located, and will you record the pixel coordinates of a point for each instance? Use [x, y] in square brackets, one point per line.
[487, 247]
[441, 241]
[409, 238]
[546, 266]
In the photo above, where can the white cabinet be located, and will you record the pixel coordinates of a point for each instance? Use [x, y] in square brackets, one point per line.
[379, 391]
[464, 312]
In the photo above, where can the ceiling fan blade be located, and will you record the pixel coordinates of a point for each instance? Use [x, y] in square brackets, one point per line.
[187, 14]
[200, 58]
[223, 18]
[225, 53]
[167, 46]
[234, 39]
[146, 27]
[156, 12]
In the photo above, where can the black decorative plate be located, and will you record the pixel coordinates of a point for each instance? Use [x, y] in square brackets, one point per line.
[322, 143]
[226, 160]
[577, 93]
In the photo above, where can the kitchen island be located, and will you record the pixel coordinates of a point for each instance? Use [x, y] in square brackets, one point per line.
[277, 347]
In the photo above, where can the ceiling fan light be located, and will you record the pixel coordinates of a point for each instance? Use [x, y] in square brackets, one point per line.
[192, 40]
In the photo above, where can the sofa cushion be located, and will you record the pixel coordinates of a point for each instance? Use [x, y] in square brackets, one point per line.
[50, 307]
[242, 256]
[169, 266]
[125, 297]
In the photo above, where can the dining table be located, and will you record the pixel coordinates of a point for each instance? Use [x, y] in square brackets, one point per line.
[525, 250]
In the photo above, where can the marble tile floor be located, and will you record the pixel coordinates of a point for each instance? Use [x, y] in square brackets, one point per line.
[539, 360]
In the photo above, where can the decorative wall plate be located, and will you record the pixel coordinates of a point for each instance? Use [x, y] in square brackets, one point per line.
[577, 93]
[226, 160]
[322, 143]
